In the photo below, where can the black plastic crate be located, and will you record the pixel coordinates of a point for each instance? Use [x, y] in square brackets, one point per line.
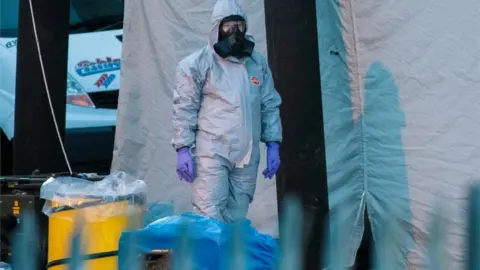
[12, 207]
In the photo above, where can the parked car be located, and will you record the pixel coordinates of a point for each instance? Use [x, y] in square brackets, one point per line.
[95, 44]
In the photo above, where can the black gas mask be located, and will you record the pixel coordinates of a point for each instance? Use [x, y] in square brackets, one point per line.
[231, 40]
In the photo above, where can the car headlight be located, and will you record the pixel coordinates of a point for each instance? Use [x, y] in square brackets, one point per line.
[76, 95]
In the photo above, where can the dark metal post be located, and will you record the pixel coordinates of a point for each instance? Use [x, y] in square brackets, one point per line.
[6, 156]
[36, 144]
[293, 55]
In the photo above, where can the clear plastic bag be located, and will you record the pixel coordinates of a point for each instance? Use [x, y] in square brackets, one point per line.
[106, 198]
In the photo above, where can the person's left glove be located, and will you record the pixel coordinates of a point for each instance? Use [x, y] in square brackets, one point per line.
[273, 159]
[185, 165]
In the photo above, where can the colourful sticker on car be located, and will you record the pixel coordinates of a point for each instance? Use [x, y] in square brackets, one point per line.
[105, 80]
[87, 68]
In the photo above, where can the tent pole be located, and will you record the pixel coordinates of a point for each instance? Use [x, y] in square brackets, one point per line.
[36, 144]
[293, 55]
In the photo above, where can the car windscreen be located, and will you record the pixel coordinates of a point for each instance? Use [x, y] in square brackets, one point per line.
[85, 16]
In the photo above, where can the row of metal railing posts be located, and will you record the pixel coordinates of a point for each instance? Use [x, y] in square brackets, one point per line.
[290, 257]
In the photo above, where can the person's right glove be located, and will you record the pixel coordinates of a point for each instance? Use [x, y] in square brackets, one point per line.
[185, 169]
[273, 159]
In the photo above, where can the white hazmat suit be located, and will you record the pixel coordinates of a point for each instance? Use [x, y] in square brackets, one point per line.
[223, 108]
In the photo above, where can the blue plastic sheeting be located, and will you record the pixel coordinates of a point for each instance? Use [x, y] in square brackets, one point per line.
[211, 242]
[157, 211]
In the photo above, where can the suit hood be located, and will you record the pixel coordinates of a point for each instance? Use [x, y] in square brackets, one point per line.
[221, 10]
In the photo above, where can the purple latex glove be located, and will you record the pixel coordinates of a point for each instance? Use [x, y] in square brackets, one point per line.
[273, 159]
[185, 169]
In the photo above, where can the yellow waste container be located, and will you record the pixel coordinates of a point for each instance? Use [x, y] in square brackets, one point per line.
[102, 225]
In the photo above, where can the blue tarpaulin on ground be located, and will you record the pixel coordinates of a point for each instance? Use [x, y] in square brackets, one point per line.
[211, 241]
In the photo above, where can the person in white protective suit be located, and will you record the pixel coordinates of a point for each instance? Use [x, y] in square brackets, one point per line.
[224, 104]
